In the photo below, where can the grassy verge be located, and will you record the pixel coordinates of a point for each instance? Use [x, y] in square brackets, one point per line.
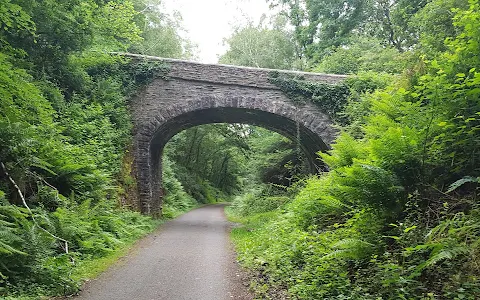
[89, 269]
[245, 238]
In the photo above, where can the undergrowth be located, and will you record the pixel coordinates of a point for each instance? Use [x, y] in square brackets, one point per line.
[397, 215]
[65, 131]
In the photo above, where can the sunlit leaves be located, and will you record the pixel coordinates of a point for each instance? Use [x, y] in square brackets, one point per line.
[261, 47]
[13, 21]
[114, 21]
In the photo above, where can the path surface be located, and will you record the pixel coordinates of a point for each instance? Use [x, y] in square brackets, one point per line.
[187, 258]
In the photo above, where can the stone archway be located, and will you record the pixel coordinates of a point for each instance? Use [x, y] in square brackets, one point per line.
[197, 94]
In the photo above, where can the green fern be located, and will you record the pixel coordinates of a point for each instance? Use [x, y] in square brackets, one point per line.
[452, 239]
[340, 254]
[333, 202]
[351, 243]
[461, 182]
[349, 248]
[446, 254]
[9, 237]
[7, 249]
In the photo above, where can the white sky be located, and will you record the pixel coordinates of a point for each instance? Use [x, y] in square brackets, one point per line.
[208, 22]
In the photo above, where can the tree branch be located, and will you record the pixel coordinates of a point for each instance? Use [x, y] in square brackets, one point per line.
[24, 202]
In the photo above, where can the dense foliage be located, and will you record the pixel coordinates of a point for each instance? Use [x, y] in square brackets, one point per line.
[262, 47]
[331, 99]
[64, 133]
[215, 162]
[397, 216]
[321, 27]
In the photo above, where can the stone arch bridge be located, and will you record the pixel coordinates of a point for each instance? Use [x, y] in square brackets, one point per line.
[196, 94]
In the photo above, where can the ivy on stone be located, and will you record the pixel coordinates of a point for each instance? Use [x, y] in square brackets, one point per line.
[330, 98]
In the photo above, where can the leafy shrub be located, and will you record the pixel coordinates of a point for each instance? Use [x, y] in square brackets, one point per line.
[397, 215]
[91, 232]
[254, 202]
[176, 200]
[364, 54]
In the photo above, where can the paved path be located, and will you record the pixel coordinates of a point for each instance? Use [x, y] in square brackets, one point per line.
[189, 258]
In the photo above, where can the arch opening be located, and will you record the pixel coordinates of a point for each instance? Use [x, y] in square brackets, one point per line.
[214, 162]
[295, 130]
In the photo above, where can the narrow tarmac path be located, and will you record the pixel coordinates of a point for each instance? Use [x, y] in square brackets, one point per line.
[188, 258]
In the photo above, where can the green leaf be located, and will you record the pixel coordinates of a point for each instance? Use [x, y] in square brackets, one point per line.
[461, 182]
[406, 230]
[397, 238]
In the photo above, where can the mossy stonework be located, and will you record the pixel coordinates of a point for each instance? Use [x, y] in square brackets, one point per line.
[194, 94]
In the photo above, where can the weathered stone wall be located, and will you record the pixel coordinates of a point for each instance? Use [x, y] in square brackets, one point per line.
[198, 94]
